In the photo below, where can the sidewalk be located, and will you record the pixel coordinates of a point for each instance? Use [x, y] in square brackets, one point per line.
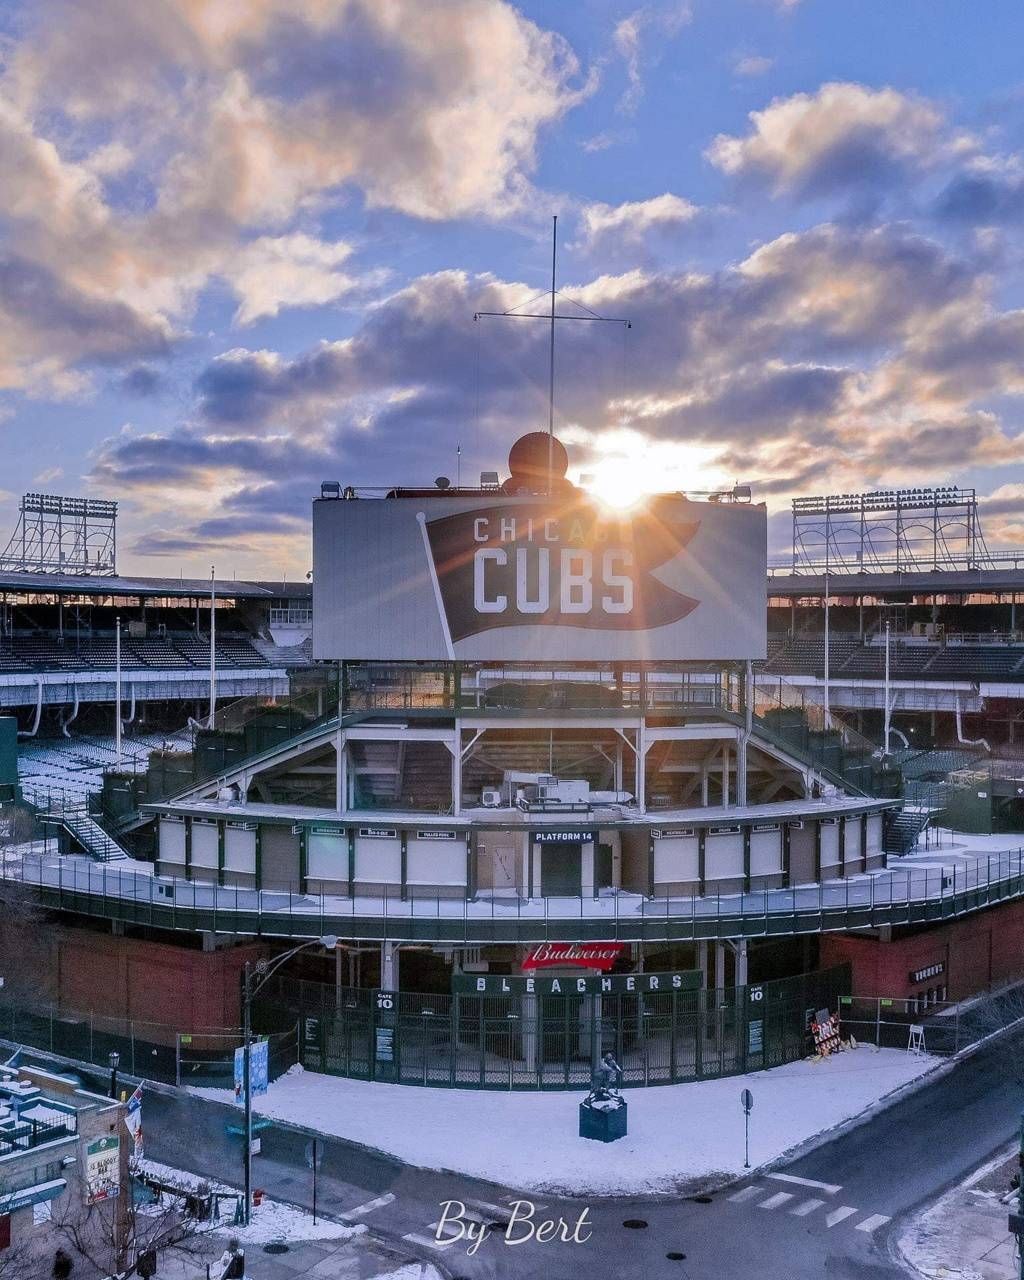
[360, 1259]
[963, 1234]
[680, 1136]
[282, 1243]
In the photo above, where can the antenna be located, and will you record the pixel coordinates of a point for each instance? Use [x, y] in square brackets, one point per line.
[551, 316]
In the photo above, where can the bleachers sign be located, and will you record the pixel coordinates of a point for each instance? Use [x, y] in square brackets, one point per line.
[504, 578]
[616, 984]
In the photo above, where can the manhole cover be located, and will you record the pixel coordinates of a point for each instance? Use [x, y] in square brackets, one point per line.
[275, 1246]
[634, 1224]
[676, 1257]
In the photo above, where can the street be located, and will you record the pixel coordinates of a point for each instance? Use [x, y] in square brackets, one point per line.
[831, 1213]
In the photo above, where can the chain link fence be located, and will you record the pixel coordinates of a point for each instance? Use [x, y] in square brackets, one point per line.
[151, 1050]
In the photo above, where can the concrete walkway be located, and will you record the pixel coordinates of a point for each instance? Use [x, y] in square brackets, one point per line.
[963, 1235]
[360, 1258]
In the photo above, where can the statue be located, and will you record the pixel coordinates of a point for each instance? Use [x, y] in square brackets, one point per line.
[603, 1080]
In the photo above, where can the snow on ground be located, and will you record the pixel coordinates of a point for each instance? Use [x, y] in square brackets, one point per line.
[679, 1135]
[271, 1220]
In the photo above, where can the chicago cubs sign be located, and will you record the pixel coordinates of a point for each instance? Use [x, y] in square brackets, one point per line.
[534, 579]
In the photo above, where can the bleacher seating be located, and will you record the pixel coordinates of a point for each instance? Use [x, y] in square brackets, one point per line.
[99, 653]
[850, 655]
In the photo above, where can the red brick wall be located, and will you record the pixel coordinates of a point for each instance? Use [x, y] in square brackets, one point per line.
[128, 978]
[977, 950]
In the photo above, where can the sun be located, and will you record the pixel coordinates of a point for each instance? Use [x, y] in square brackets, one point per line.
[620, 480]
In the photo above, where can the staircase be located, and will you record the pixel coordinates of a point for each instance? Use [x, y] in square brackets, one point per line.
[91, 836]
[903, 828]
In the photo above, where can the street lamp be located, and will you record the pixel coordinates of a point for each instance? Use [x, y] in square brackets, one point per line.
[251, 989]
[117, 687]
[115, 1058]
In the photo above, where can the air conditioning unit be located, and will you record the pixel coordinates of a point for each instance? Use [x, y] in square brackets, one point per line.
[490, 798]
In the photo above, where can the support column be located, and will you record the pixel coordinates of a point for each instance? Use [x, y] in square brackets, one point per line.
[617, 768]
[725, 775]
[457, 773]
[341, 778]
[389, 966]
[641, 766]
[748, 723]
[719, 966]
[741, 962]
[719, 987]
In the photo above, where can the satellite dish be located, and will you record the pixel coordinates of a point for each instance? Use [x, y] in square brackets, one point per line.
[443, 482]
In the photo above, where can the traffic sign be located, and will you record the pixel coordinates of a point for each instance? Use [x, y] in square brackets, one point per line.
[747, 1098]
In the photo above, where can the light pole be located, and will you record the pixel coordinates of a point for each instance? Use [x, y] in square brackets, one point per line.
[213, 642]
[117, 687]
[250, 989]
[115, 1059]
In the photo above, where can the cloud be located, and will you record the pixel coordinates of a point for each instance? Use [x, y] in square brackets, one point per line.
[630, 223]
[839, 356]
[752, 64]
[146, 150]
[47, 323]
[628, 41]
[845, 137]
[983, 195]
[602, 141]
[295, 270]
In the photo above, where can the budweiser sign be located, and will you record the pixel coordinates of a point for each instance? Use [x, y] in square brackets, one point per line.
[585, 955]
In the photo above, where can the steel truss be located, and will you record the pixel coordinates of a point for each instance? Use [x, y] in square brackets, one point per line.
[63, 535]
[901, 530]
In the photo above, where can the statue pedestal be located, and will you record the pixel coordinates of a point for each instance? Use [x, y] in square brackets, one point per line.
[603, 1121]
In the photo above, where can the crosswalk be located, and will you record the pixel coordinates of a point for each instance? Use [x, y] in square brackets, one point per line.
[798, 1203]
[478, 1213]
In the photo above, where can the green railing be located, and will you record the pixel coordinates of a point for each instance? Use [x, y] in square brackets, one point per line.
[920, 895]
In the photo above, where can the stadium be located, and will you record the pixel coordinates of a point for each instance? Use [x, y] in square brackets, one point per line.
[562, 778]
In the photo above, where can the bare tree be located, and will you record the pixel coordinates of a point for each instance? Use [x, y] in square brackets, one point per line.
[111, 1237]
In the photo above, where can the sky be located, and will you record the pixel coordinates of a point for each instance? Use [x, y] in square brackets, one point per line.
[242, 243]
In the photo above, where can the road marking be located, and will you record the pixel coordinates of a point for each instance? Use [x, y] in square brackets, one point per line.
[873, 1223]
[369, 1207]
[828, 1187]
[776, 1201]
[808, 1206]
[432, 1242]
[745, 1194]
[492, 1210]
[839, 1215]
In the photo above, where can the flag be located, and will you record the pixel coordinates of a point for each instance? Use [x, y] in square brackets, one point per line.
[133, 1120]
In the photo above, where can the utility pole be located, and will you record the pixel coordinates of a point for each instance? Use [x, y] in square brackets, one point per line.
[1016, 1223]
[213, 642]
[885, 736]
[117, 688]
[551, 316]
[551, 362]
[828, 699]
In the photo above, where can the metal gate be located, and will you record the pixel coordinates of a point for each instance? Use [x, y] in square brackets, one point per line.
[550, 1042]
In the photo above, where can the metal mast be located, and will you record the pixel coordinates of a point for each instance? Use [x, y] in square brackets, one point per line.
[551, 316]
